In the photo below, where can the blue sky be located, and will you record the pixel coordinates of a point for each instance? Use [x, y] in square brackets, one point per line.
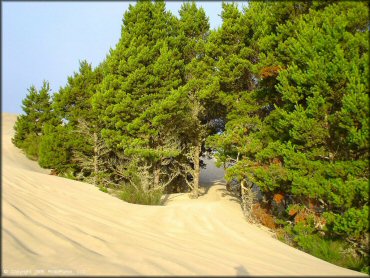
[46, 41]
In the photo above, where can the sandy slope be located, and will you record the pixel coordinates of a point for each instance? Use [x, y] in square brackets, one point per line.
[55, 226]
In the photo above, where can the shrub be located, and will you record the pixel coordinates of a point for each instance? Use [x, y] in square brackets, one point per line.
[137, 195]
[103, 189]
[336, 251]
[68, 174]
[353, 223]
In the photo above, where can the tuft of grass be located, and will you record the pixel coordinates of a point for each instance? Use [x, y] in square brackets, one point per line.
[137, 195]
[103, 189]
[335, 251]
[68, 174]
[325, 249]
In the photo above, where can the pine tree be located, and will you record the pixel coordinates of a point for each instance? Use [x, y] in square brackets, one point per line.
[309, 116]
[29, 126]
[82, 128]
[141, 71]
[323, 116]
[301, 130]
[198, 89]
[235, 75]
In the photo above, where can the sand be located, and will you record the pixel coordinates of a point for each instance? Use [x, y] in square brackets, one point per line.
[56, 226]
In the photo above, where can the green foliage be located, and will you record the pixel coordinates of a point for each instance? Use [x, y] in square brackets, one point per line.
[353, 223]
[302, 130]
[29, 127]
[30, 145]
[139, 74]
[332, 251]
[137, 195]
[300, 126]
[68, 174]
[55, 148]
[21, 131]
[149, 112]
[103, 189]
[73, 104]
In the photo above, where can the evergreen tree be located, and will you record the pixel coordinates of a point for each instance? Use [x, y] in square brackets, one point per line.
[304, 117]
[199, 89]
[324, 88]
[232, 43]
[29, 126]
[82, 128]
[140, 72]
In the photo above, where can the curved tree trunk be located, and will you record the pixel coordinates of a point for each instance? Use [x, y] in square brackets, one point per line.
[196, 160]
[95, 162]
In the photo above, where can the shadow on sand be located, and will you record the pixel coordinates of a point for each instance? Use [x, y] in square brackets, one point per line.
[231, 195]
[241, 271]
[204, 188]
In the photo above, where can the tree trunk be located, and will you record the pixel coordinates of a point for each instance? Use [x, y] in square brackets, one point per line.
[228, 186]
[96, 167]
[197, 151]
[145, 180]
[156, 173]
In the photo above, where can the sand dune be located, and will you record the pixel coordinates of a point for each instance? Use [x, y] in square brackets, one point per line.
[55, 226]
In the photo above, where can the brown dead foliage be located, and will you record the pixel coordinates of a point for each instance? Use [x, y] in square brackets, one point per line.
[53, 172]
[278, 198]
[263, 216]
[293, 211]
[272, 71]
[301, 216]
